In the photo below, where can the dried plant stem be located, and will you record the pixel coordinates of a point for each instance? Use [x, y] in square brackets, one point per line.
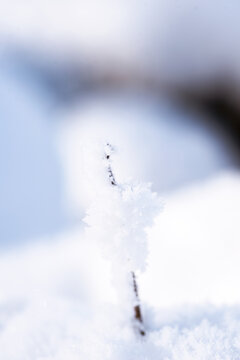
[137, 308]
[138, 319]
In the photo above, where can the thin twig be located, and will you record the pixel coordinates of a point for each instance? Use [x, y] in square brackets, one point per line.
[109, 168]
[137, 308]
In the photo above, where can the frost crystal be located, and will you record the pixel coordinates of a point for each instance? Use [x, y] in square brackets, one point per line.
[119, 216]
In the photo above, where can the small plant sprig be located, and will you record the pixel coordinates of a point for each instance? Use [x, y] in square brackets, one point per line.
[118, 217]
[137, 306]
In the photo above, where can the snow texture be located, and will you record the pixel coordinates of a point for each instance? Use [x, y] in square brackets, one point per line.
[119, 216]
[57, 301]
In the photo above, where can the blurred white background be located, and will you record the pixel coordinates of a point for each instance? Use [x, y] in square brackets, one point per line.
[77, 70]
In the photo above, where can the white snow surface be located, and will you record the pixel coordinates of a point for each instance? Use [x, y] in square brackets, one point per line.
[58, 300]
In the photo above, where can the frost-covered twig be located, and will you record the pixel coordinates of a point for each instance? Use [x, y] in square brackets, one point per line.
[118, 217]
[108, 152]
[137, 307]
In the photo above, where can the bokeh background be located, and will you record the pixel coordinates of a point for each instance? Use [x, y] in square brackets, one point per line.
[160, 79]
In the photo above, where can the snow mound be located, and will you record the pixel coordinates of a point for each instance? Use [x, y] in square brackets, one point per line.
[57, 301]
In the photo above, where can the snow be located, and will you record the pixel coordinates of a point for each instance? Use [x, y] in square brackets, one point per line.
[178, 148]
[63, 296]
[52, 303]
[196, 238]
[119, 215]
[30, 181]
[42, 187]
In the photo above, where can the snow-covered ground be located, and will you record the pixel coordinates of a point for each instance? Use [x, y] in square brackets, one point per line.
[57, 301]
[59, 298]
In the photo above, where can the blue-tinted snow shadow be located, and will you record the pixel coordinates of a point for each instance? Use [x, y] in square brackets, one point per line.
[31, 185]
